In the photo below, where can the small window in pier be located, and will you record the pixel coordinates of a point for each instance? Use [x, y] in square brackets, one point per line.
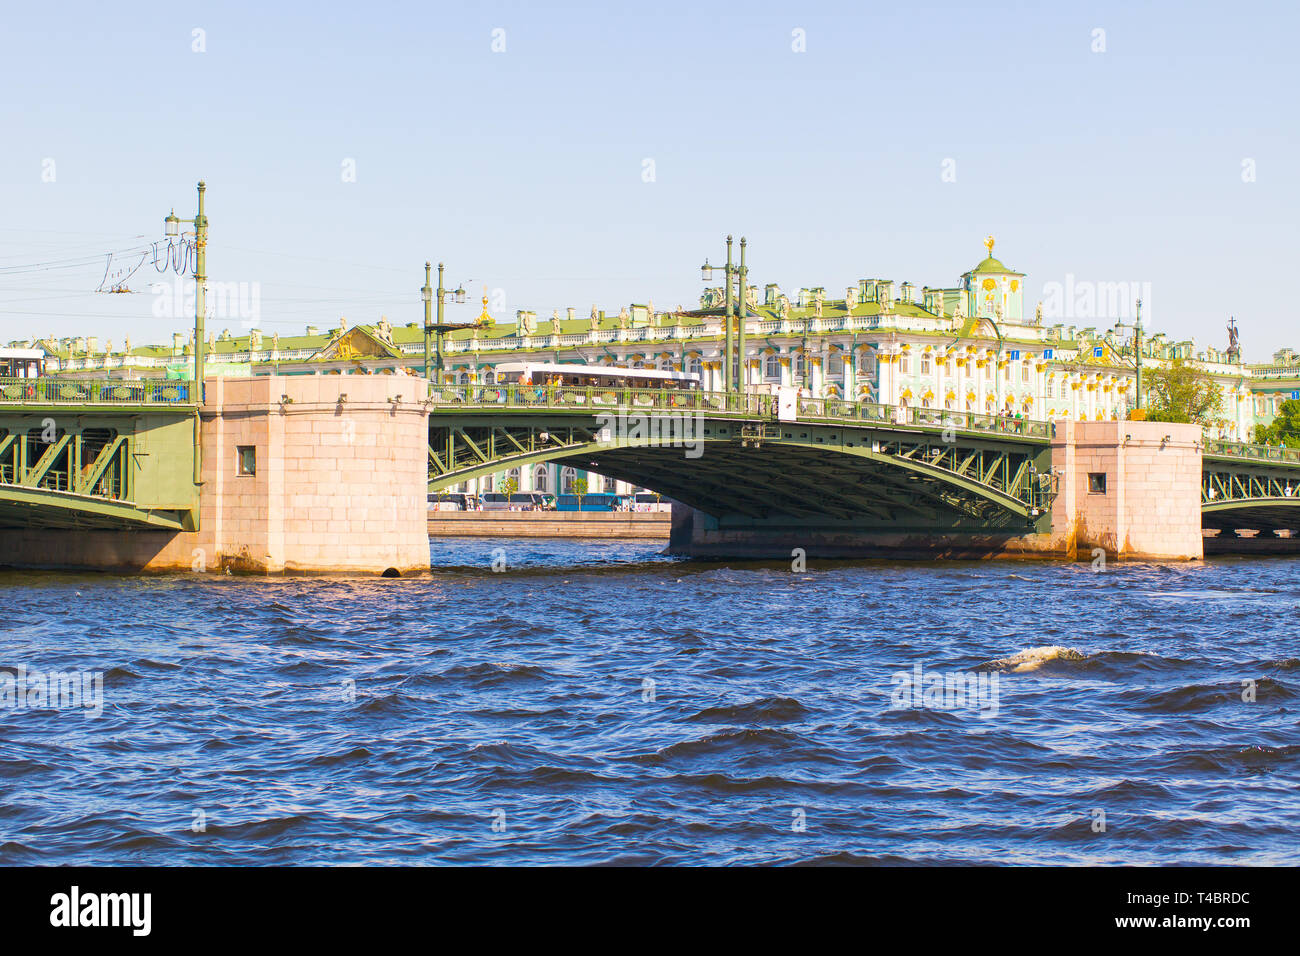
[1096, 482]
[245, 460]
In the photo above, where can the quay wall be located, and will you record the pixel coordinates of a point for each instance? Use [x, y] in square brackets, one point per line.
[550, 524]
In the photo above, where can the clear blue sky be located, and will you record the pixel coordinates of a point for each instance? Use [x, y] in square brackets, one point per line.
[524, 169]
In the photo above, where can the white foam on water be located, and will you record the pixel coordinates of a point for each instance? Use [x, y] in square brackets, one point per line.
[1032, 658]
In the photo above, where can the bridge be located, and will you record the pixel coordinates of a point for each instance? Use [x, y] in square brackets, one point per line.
[106, 455]
[1255, 487]
[856, 464]
[732, 457]
[338, 466]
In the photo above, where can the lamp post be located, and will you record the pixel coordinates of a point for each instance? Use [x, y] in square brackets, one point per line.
[439, 327]
[172, 228]
[706, 274]
[1137, 348]
[734, 363]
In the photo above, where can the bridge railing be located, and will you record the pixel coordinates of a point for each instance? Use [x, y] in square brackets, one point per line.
[758, 405]
[48, 391]
[1241, 449]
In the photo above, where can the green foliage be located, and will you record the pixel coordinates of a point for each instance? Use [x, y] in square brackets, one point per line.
[1284, 429]
[1182, 393]
[509, 486]
[579, 489]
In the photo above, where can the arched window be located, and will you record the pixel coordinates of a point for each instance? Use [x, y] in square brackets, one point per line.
[695, 366]
[800, 365]
[489, 377]
[541, 478]
[463, 378]
[567, 477]
[513, 476]
[771, 367]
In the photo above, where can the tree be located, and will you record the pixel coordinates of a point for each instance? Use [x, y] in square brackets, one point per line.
[509, 487]
[1284, 429]
[579, 489]
[1180, 392]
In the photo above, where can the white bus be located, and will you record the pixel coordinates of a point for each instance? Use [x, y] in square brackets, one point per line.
[596, 376]
[22, 363]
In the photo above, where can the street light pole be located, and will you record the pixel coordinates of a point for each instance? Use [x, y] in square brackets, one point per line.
[729, 379]
[200, 280]
[740, 325]
[171, 227]
[1137, 349]
[437, 329]
[426, 294]
[441, 293]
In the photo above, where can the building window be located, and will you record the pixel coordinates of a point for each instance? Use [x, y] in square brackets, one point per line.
[771, 367]
[245, 460]
[1051, 389]
[567, 477]
[1096, 482]
[925, 365]
[904, 364]
[695, 366]
[541, 478]
[988, 372]
[1024, 372]
[800, 365]
[489, 377]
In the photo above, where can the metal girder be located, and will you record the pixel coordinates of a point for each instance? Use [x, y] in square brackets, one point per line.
[820, 477]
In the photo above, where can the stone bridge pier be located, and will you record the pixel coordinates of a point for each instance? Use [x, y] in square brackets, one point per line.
[308, 474]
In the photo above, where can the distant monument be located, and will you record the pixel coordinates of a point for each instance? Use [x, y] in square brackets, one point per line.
[1234, 349]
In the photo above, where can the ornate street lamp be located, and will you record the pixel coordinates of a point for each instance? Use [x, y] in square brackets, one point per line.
[440, 327]
[733, 377]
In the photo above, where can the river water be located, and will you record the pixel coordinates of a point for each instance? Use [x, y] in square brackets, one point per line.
[594, 702]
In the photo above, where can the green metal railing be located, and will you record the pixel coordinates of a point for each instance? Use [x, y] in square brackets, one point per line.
[1245, 450]
[747, 404]
[575, 397]
[50, 391]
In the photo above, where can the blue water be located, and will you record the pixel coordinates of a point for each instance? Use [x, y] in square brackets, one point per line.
[597, 703]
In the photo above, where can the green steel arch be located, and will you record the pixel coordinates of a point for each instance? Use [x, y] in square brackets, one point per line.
[868, 476]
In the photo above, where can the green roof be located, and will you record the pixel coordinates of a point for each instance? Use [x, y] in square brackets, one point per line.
[993, 265]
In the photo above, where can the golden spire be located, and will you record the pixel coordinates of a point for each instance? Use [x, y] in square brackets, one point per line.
[485, 317]
[988, 242]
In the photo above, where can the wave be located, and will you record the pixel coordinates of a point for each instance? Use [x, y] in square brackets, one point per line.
[766, 710]
[1195, 697]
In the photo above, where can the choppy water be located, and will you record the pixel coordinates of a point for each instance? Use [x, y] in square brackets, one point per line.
[595, 703]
